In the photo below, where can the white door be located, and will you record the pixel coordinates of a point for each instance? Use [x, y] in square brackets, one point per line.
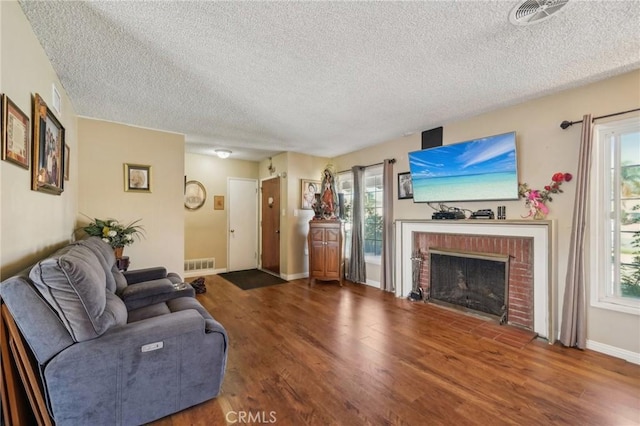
[243, 224]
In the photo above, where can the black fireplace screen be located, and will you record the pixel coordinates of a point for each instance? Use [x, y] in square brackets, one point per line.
[472, 281]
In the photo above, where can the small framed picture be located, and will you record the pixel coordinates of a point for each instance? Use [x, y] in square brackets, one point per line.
[405, 186]
[137, 178]
[218, 202]
[48, 150]
[308, 191]
[15, 133]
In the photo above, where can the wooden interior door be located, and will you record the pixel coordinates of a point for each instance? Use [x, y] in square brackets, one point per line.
[271, 225]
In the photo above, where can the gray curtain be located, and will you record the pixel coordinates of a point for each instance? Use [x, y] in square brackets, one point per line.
[357, 270]
[573, 330]
[386, 270]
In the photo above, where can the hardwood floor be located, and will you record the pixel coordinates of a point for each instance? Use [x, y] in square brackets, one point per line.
[326, 355]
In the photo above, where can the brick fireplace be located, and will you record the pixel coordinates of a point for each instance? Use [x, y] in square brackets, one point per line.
[532, 299]
[518, 249]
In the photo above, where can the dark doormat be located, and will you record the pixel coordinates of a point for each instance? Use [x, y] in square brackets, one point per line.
[251, 278]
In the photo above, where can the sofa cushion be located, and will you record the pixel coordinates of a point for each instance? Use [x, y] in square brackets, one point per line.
[73, 282]
[148, 311]
[115, 281]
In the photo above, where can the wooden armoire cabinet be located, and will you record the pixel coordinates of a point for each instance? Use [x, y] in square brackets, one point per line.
[326, 250]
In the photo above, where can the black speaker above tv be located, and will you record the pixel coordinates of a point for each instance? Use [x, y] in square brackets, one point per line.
[432, 138]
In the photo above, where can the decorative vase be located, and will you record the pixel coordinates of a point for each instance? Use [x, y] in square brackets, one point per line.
[539, 215]
[118, 252]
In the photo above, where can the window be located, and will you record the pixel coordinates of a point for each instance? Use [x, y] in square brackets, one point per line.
[345, 187]
[615, 218]
[372, 193]
[372, 201]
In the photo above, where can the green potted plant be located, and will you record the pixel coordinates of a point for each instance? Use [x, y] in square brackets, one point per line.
[114, 233]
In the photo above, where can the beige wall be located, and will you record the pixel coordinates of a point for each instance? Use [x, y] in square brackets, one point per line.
[33, 223]
[300, 167]
[543, 149]
[294, 222]
[1, 180]
[104, 148]
[206, 229]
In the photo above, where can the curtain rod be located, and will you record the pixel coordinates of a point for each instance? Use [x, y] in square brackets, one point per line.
[565, 124]
[393, 160]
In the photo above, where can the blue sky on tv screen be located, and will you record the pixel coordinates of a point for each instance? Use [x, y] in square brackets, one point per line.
[494, 154]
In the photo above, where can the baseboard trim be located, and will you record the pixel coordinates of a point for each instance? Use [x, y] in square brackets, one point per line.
[628, 356]
[295, 276]
[192, 274]
[372, 283]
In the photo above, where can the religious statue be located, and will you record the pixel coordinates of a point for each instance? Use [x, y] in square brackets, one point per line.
[329, 194]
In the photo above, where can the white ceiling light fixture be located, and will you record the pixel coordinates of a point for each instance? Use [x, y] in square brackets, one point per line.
[531, 12]
[223, 153]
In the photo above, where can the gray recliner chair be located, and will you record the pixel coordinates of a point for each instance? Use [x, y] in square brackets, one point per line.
[113, 348]
[141, 287]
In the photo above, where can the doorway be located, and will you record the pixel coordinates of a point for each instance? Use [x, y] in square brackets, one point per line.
[243, 224]
[271, 225]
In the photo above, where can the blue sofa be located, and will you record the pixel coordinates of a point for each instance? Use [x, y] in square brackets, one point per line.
[114, 348]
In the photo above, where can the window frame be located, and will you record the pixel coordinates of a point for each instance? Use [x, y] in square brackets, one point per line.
[348, 175]
[375, 172]
[348, 201]
[603, 285]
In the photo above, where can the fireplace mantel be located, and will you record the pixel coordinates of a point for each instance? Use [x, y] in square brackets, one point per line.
[544, 265]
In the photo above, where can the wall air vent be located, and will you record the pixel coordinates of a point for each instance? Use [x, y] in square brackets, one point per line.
[194, 267]
[535, 11]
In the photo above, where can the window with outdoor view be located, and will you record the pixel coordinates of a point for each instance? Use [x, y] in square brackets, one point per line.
[372, 192]
[615, 245]
[372, 201]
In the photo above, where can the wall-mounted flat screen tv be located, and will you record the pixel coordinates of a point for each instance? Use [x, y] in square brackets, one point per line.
[476, 170]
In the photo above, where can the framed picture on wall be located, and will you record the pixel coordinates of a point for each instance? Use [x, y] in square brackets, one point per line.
[308, 191]
[67, 155]
[194, 195]
[48, 150]
[405, 186]
[15, 133]
[218, 202]
[137, 178]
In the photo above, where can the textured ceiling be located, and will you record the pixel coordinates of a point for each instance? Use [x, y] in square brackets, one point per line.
[323, 78]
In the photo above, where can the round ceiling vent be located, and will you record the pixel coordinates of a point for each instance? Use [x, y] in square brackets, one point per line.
[535, 11]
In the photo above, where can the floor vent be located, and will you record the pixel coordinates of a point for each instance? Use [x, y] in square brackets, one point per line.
[199, 266]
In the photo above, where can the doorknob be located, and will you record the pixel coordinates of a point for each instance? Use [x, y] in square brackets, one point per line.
[277, 231]
[232, 230]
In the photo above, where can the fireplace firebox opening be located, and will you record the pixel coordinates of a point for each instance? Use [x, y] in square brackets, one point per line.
[470, 281]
